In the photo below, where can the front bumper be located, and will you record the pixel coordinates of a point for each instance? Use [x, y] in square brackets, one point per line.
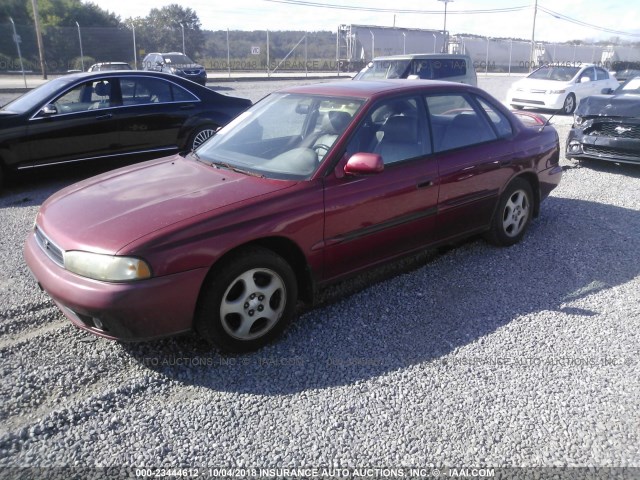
[536, 100]
[134, 311]
[613, 149]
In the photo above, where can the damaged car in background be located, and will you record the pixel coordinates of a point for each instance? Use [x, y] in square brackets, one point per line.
[607, 126]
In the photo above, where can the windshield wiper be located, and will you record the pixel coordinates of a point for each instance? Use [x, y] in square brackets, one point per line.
[233, 168]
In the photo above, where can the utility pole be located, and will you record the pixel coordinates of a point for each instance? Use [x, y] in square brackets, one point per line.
[81, 52]
[16, 38]
[445, 46]
[36, 20]
[533, 37]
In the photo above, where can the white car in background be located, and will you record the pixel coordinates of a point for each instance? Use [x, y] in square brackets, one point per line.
[559, 87]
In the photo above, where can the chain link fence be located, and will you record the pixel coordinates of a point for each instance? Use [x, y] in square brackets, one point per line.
[77, 48]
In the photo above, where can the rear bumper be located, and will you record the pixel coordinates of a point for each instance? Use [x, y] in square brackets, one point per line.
[549, 179]
[133, 311]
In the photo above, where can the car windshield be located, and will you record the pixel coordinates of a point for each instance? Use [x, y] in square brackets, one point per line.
[630, 86]
[177, 59]
[37, 96]
[285, 136]
[114, 66]
[560, 74]
[385, 69]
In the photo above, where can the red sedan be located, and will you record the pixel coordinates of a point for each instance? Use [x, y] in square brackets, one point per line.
[310, 185]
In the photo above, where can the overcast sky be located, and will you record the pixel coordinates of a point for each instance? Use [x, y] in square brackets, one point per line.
[618, 15]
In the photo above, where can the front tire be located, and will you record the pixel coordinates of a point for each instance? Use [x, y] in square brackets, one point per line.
[248, 301]
[513, 215]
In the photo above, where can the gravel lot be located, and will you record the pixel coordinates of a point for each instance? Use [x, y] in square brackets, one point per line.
[475, 356]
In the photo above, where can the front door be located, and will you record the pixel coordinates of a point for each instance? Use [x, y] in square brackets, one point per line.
[81, 124]
[376, 217]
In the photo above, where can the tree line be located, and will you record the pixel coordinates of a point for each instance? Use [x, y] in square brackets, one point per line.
[71, 26]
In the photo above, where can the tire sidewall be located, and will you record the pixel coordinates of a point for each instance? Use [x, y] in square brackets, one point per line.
[196, 132]
[573, 107]
[497, 234]
[208, 322]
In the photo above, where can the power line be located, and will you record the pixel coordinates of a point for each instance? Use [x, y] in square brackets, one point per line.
[560, 16]
[556, 15]
[306, 3]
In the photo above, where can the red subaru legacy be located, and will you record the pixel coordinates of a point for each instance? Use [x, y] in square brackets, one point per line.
[310, 185]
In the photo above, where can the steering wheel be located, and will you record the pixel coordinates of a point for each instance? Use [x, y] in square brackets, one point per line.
[321, 146]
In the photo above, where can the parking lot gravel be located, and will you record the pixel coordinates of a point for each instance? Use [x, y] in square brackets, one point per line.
[527, 356]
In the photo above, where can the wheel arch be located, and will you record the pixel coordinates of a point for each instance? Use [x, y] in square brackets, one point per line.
[285, 248]
[195, 123]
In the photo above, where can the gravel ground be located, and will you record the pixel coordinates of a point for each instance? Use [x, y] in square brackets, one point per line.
[474, 356]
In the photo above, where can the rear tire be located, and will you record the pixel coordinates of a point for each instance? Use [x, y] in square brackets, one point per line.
[200, 135]
[513, 215]
[569, 104]
[248, 301]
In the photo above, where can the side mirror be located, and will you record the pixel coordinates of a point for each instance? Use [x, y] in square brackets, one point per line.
[49, 109]
[606, 91]
[364, 164]
[585, 80]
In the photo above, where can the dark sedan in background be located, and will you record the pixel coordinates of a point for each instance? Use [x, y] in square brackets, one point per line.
[309, 186]
[607, 126]
[105, 115]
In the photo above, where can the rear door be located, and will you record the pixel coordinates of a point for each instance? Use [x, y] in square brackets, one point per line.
[471, 144]
[152, 114]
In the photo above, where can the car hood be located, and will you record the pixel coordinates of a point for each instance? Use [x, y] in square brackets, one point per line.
[185, 65]
[105, 213]
[537, 84]
[626, 105]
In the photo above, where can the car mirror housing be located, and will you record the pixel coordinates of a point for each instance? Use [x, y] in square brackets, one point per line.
[606, 91]
[364, 164]
[49, 109]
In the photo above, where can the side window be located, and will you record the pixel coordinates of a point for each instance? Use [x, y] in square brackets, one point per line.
[588, 73]
[86, 96]
[181, 95]
[142, 90]
[394, 129]
[500, 122]
[455, 123]
[602, 74]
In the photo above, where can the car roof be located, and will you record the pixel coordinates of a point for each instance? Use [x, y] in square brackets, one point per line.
[370, 88]
[124, 73]
[419, 56]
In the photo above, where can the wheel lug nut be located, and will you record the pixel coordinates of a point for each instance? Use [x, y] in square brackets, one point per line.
[246, 305]
[251, 312]
[261, 297]
[260, 308]
[253, 295]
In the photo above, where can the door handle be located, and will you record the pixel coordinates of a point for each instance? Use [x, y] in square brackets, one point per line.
[425, 184]
[186, 107]
[104, 117]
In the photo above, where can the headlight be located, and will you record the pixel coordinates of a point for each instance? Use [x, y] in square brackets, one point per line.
[108, 268]
[578, 120]
[555, 92]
